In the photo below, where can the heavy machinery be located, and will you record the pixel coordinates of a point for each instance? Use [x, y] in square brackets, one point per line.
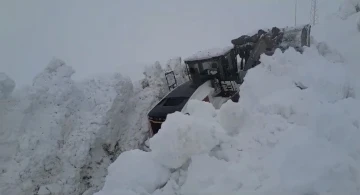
[215, 75]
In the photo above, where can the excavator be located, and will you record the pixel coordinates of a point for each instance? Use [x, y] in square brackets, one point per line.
[215, 75]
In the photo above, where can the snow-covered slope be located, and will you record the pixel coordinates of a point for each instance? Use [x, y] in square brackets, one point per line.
[295, 130]
[59, 136]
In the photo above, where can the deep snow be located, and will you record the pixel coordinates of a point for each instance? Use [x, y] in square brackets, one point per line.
[295, 130]
[59, 136]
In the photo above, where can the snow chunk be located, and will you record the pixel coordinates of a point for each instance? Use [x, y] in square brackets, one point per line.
[328, 53]
[208, 175]
[358, 23]
[348, 8]
[232, 117]
[210, 53]
[7, 85]
[201, 109]
[182, 136]
[133, 169]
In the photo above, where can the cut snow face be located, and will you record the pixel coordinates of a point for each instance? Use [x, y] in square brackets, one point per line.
[59, 136]
[295, 130]
[58, 123]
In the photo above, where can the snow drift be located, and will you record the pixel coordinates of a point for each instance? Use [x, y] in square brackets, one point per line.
[294, 131]
[59, 136]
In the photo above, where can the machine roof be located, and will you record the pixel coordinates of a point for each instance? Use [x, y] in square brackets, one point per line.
[209, 53]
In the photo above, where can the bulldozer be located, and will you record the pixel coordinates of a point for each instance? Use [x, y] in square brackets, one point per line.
[215, 75]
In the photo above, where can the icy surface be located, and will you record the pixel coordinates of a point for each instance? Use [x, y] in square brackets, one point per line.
[7, 85]
[210, 53]
[295, 129]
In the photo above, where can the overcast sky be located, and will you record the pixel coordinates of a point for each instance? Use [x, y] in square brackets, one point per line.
[99, 36]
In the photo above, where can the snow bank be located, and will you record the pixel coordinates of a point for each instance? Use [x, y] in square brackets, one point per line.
[58, 126]
[7, 85]
[294, 131]
[343, 37]
[153, 175]
[183, 138]
[59, 136]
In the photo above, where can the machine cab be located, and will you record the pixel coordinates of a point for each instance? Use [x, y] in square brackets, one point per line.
[212, 64]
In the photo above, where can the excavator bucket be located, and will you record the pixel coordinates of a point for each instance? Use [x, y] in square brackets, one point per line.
[296, 37]
[251, 47]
